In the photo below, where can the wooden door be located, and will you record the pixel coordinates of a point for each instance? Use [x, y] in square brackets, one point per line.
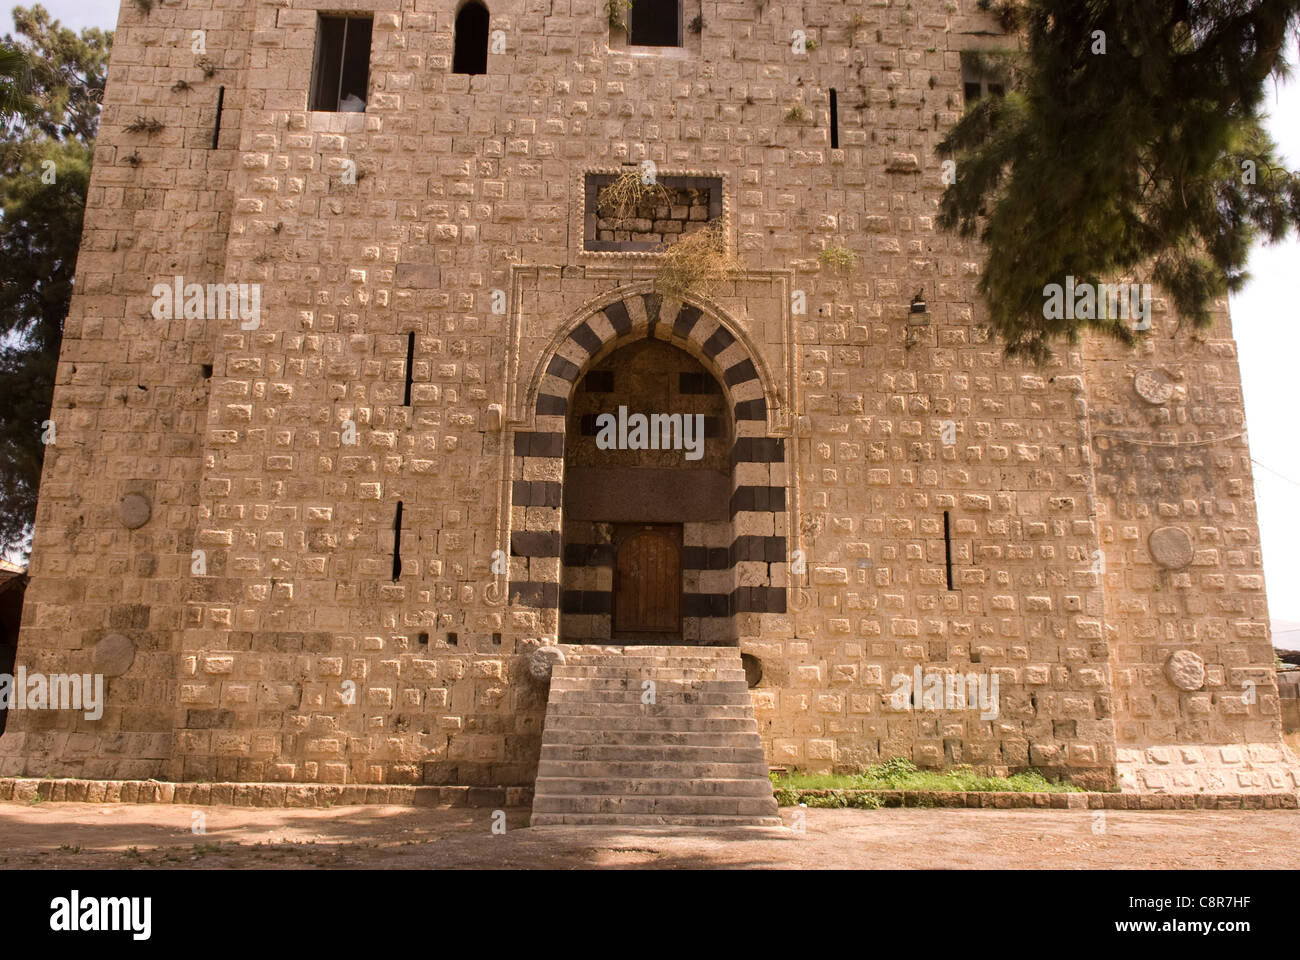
[648, 583]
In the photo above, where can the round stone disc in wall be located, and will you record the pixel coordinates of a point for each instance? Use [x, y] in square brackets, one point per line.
[1185, 670]
[542, 660]
[113, 655]
[134, 510]
[1170, 547]
[1152, 387]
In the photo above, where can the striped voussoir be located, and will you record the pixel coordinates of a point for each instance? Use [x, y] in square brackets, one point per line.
[536, 497]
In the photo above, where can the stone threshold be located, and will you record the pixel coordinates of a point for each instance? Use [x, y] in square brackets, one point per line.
[27, 790]
[1071, 801]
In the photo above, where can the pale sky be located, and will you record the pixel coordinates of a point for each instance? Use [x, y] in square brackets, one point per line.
[1264, 320]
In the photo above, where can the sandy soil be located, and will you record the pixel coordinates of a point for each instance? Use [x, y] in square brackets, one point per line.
[81, 835]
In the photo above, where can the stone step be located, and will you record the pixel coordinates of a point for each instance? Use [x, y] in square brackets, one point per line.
[649, 820]
[691, 758]
[715, 711]
[656, 724]
[580, 672]
[628, 753]
[650, 769]
[607, 681]
[694, 805]
[621, 664]
[617, 651]
[704, 698]
[651, 786]
[652, 738]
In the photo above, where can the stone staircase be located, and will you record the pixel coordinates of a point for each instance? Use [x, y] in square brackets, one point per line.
[692, 757]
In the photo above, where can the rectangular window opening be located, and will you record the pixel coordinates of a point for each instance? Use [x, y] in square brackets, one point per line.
[341, 77]
[655, 23]
[650, 223]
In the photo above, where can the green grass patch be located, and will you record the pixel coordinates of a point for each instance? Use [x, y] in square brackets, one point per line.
[902, 774]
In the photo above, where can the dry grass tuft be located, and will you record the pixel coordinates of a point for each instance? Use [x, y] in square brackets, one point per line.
[697, 263]
[625, 196]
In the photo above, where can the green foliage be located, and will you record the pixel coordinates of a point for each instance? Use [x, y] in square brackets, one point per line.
[1123, 164]
[68, 73]
[46, 173]
[838, 258]
[15, 84]
[615, 11]
[899, 773]
[797, 114]
[786, 797]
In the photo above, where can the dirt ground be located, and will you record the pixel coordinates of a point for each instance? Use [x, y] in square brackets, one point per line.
[89, 836]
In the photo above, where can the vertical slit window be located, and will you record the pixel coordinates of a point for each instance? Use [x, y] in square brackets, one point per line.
[341, 77]
[947, 547]
[216, 124]
[397, 543]
[835, 120]
[410, 363]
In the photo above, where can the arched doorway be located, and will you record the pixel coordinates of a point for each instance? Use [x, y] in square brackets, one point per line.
[563, 528]
[647, 484]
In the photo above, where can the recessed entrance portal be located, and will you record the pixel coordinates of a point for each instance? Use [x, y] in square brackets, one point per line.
[647, 483]
[649, 413]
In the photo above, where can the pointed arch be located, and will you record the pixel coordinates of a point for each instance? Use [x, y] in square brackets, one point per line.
[757, 555]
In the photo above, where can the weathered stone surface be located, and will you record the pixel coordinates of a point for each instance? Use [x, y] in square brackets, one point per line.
[134, 510]
[543, 660]
[1185, 670]
[1171, 547]
[1152, 387]
[113, 655]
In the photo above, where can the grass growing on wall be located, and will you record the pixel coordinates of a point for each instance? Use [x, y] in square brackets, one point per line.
[696, 263]
[628, 194]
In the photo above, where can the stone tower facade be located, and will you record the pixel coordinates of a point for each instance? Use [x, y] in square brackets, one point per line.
[320, 540]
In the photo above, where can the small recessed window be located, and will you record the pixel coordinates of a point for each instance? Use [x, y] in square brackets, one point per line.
[471, 50]
[341, 79]
[655, 23]
[982, 75]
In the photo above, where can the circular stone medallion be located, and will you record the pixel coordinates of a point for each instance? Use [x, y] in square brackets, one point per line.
[1185, 670]
[1171, 547]
[134, 510]
[1152, 387]
[542, 660]
[113, 655]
